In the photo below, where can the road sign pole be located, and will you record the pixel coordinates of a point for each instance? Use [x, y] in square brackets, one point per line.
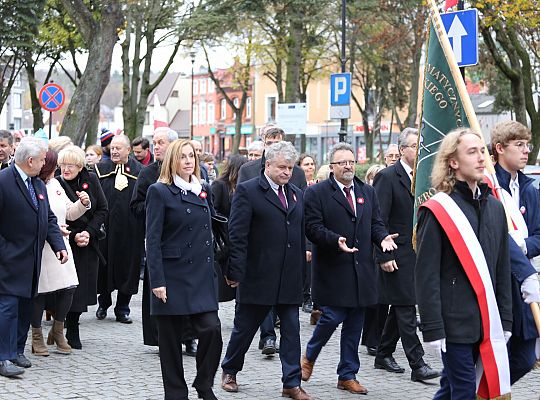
[343, 126]
[50, 124]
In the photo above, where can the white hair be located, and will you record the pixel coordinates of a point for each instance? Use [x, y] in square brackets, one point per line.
[124, 138]
[171, 135]
[29, 147]
[256, 145]
[405, 133]
[283, 149]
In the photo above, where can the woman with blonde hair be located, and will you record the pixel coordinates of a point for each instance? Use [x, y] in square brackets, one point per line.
[371, 172]
[180, 258]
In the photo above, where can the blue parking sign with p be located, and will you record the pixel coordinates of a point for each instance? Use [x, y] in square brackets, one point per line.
[340, 89]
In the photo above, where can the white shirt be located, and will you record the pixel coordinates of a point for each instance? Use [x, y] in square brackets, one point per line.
[408, 169]
[23, 175]
[514, 189]
[275, 188]
[341, 186]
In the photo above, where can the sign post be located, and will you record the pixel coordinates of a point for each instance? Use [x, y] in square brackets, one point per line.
[52, 98]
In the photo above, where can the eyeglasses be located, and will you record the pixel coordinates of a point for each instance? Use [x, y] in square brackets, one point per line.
[69, 166]
[344, 163]
[412, 146]
[392, 156]
[522, 146]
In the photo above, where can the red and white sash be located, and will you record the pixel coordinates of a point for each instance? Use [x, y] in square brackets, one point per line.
[492, 367]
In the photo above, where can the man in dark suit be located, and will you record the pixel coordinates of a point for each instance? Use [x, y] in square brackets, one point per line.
[6, 148]
[27, 221]
[267, 256]
[270, 134]
[396, 278]
[163, 136]
[342, 222]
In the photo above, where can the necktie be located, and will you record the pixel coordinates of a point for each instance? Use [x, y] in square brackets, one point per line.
[282, 197]
[349, 197]
[32, 192]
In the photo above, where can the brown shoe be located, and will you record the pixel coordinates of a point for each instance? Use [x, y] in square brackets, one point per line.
[296, 393]
[307, 368]
[352, 386]
[315, 316]
[228, 383]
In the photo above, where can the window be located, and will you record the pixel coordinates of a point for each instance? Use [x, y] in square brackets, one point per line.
[211, 85]
[202, 86]
[17, 81]
[195, 87]
[147, 118]
[223, 109]
[210, 117]
[174, 93]
[202, 113]
[17, 123]
[236, 102]
[195, 115]
[17, 101]
[271, 102]
[248, 107]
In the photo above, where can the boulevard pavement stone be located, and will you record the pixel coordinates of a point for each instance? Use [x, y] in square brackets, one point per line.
[114, 364]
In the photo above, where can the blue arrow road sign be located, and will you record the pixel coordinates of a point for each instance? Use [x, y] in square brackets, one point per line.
[462, 30]
[340, 89]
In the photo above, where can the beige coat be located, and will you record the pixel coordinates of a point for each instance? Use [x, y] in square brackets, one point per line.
[55, 276]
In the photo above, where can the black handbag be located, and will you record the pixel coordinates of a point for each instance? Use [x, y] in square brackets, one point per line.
[221, 257]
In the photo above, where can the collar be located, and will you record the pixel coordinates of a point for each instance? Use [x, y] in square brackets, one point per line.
[272, 184]
[341, 186]
[406, 167]
[194, 186]
[504, 178]
[146, 159]
[21, 173]
[463, 189]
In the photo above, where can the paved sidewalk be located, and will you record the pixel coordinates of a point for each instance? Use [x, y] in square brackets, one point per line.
[114, 364]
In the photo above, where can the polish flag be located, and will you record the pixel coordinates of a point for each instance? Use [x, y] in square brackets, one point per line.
[159, 114]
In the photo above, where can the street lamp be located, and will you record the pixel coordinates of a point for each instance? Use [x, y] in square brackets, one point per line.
[192, 55]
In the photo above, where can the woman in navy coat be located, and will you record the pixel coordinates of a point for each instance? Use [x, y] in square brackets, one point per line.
[181, 269]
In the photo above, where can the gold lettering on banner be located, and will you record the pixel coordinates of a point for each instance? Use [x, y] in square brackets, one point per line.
[425, 196]
[432, 81]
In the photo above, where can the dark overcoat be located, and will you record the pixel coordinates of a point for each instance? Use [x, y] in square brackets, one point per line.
[148, 176]
[179, 250]
[343, 279]
[23, 231]
[267, 244]
[393, 188]
[124, 230]
[86, 258]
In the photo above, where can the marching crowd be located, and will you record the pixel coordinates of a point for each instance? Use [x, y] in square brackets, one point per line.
[276, 235]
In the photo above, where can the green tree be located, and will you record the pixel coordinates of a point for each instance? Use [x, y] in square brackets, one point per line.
[98, 22]
[507, 30]
[20, 20]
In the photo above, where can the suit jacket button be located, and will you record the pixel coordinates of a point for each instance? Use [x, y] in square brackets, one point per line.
[207, 243]
[189, 244]
[356, 262]
[353, 219]
[289, 245]
[188, 210]
[190, 261]
[190, 228]
[288, 222]
[205, 210]
[208, 259]
[205, 226]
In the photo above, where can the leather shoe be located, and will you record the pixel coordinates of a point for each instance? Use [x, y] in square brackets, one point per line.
[101, 313]
[228, 383]
[352, 386]
[8, 369]
[21, 361]
[307, 368]
[372, 351]
[424, 373]
[191, 347]
[206, 394]
[269, 347]
[124, 319]
[296, 393]
[389, 364]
